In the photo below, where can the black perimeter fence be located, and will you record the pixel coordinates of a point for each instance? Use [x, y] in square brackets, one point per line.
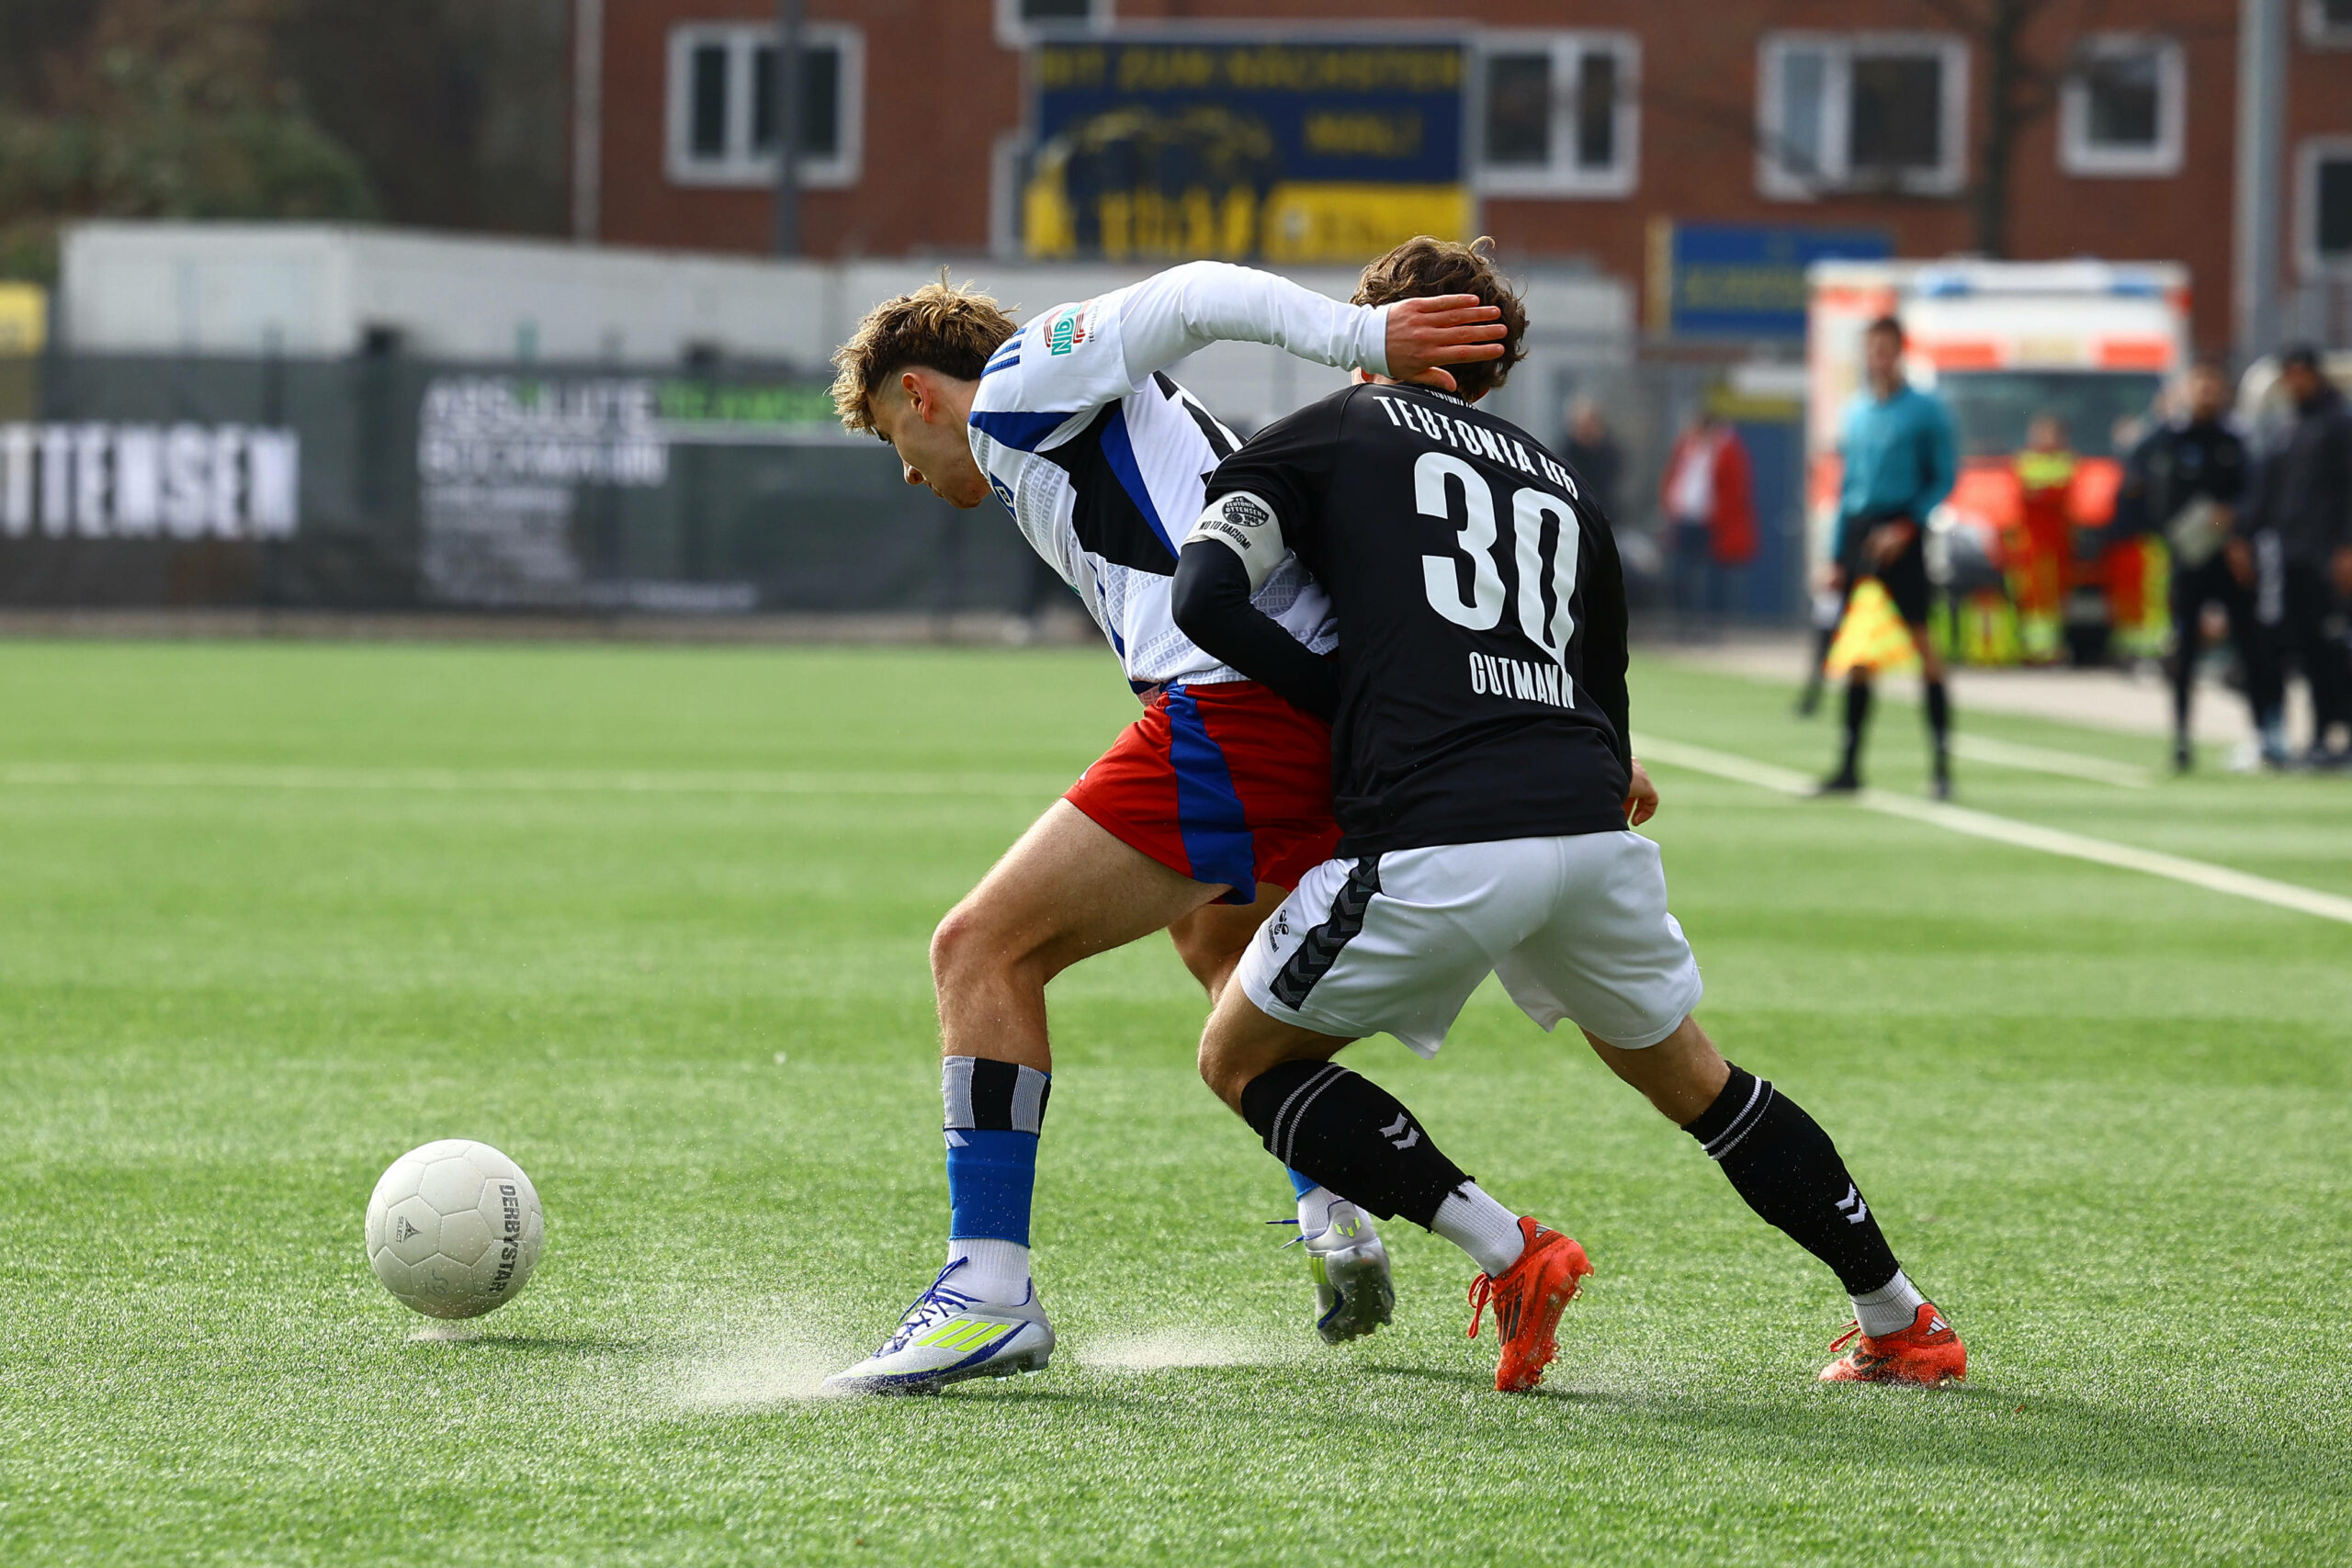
[382, 482]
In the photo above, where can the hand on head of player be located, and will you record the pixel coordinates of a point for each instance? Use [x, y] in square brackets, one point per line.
[1444, 329]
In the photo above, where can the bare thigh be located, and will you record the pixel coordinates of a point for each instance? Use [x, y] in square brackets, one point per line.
[1067, 890]
[1212, 939]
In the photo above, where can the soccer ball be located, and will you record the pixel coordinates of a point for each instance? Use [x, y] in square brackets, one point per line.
[453, 1229]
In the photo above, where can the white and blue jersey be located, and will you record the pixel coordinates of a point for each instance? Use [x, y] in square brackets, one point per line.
[1102, 458]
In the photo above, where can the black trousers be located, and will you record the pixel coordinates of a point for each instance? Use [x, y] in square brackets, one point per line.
[2314, 636]
[2193, 588]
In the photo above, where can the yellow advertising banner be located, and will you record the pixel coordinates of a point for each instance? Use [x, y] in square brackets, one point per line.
[24, 317]
[1348, 222]
[1295, 152]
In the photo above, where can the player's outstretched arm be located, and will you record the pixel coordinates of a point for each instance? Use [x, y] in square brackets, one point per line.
[1187, 308]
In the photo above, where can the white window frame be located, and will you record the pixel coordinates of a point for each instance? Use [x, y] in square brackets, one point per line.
[2078, 155]
[740, 164]
[1014, 33]
[2319, 32]
[2309, 153]
[1775, 180]
[1560, 175]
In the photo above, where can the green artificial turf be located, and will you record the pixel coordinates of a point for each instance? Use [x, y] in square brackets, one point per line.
[653, 922]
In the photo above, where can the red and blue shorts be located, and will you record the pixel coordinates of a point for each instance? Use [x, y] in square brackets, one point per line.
[1225, 783]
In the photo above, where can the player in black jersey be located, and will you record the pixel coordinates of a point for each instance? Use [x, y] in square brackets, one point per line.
[1484, 789]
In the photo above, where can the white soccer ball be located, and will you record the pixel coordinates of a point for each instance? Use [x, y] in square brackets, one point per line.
[453, 1229]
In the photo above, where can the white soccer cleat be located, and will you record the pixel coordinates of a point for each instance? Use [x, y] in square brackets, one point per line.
[1353, 1293]
[947, 1337]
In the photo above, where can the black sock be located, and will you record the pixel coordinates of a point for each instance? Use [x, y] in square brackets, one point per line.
[1858, 718]
[1787, 1169]
[1351, 1135]
[2184, 678]
[1940, 720]
[1823, 637]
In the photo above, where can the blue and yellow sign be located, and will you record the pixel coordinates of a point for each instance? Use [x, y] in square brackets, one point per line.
[1320, 151]
[1742, 280]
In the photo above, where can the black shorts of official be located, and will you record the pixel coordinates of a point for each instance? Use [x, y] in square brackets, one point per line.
[1904, 579]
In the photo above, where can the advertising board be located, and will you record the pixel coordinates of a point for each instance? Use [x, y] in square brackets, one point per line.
[1282, 152]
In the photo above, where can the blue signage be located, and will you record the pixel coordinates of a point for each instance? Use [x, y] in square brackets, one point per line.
[1743, 280]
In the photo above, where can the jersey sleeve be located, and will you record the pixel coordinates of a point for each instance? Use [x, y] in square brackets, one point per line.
[1211, 602]
[1604, 650]
[1849, 483]
[1074, 358]
[1083, 354]
[1187, 308]
[1286, 467]
[1939, 464]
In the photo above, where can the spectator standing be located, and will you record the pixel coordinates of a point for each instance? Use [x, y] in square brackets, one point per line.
[2045, 471]
[2187, 479]
[2307, 499]
[1900, 459]
[1708, 500]
[1592, 451]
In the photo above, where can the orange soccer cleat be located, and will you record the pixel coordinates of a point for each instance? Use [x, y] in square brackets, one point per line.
[1528, 1301]
[1927, 1353]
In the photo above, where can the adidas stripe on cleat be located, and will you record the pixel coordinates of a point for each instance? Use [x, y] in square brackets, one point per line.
[1925, 1354]
[1528, 1299]
[947, 1337]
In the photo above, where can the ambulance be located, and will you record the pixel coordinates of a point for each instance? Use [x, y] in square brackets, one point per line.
[2053, 371]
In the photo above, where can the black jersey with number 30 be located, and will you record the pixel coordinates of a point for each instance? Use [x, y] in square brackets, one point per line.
[1481, 614]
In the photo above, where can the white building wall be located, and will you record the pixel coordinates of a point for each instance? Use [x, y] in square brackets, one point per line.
[318, 289]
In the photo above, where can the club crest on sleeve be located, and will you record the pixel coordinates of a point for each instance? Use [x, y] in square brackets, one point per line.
[1244, 512]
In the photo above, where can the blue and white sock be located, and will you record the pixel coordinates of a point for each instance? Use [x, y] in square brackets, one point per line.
[1315, 1201]
[995, 1110]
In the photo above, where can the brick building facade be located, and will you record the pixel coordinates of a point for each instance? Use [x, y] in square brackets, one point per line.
[1588, 119]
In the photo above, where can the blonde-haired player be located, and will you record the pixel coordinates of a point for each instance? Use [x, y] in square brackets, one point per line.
[1208, 807]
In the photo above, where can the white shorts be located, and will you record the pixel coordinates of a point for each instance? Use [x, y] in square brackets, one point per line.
[1574, 927]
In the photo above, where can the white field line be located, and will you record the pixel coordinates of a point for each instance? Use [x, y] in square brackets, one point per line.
[515, 781]
[2007, 831]
[2041, 760]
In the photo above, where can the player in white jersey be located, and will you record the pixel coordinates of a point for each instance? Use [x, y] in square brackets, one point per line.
[1206, 810]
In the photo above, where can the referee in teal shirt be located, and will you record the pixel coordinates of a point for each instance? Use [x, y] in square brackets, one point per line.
[1900, 459]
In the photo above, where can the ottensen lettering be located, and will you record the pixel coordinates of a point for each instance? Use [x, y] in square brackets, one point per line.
[146, 481]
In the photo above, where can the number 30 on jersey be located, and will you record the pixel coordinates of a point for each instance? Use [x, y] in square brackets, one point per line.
[1437, 476]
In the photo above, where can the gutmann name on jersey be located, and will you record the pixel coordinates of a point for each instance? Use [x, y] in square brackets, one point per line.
[1102, 458]
[1481, 614]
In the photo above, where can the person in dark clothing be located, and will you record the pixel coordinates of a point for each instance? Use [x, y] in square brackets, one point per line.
[1594, 454]
[1486, 790]
[2186, 481]
[2307, 499]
